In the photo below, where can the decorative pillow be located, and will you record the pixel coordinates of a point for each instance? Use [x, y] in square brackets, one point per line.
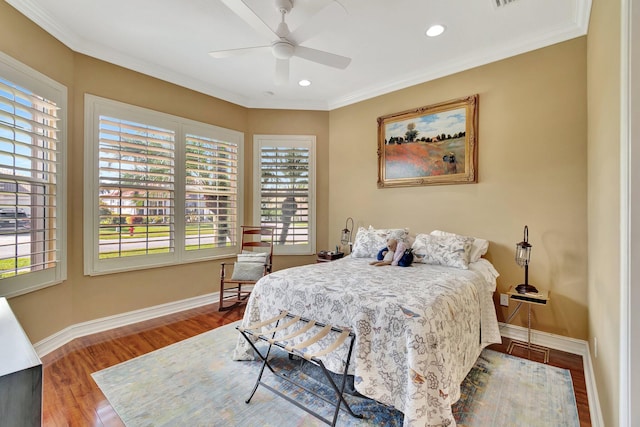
[368, 242]
[250, 266]
[247, 271]
[478, 248]
[452, 251]
[259, 257]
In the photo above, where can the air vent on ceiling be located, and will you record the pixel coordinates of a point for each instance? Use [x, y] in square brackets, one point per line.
[500, 3]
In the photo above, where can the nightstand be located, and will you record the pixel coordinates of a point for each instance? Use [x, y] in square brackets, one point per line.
[540, 298]
[325, 256]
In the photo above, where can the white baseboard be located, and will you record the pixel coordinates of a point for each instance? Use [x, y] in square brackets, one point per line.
[569, 345]
[558, 342]
[78, 330]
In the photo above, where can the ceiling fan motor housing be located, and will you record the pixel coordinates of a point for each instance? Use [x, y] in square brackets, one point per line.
[284, 6]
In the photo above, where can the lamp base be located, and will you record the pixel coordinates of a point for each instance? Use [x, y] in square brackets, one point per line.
[526, 288]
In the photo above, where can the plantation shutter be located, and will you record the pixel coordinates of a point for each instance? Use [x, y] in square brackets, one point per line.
[286, 181]
[211, 204]
[29, 165]
[136, 188]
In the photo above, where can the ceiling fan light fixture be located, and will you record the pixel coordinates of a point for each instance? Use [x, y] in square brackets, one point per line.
[435, 30]
[283, 49]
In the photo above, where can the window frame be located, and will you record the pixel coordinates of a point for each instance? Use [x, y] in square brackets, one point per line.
[291, 141]
[36, 82]
[97, 106]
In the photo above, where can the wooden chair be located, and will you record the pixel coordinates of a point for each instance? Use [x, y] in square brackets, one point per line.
[235, 290]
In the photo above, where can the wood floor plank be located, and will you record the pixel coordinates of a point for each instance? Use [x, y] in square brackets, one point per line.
[71, 397]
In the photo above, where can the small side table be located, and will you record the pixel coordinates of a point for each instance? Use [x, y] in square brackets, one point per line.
[541, 298]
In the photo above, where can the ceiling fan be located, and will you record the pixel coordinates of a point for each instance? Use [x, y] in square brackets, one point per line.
[286, 44]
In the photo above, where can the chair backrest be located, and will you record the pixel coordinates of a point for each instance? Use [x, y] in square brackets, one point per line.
[258, 239]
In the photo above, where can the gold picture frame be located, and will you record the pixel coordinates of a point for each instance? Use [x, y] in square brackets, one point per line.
[432, 145]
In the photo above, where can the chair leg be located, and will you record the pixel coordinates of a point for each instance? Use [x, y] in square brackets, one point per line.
[221, 306]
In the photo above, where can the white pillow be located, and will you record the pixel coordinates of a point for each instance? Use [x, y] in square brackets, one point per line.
[250, 266]
[478, 248]
[247, 271]
[259, 257]
[451, 251]
[368, 242]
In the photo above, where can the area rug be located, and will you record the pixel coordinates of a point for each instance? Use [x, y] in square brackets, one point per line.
[195, 383]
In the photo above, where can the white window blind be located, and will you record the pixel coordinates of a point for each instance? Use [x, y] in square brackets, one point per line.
[31, 164]
[159, 189]
[211, 202]
[285, 184]
[136, 188]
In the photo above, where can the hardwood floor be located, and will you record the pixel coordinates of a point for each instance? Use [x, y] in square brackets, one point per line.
[71, 397]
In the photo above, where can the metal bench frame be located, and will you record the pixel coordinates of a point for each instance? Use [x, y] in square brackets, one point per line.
[280, 323]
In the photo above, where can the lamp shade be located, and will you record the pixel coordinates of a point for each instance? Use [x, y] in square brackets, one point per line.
[523, 253]
[345, 236]
[523, 249]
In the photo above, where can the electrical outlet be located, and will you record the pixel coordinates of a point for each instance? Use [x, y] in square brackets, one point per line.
[504, 300]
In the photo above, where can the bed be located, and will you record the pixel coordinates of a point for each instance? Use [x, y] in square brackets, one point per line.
[419, 329]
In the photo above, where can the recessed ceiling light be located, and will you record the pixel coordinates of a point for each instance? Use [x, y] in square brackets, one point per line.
[304, 83]
[435, 30]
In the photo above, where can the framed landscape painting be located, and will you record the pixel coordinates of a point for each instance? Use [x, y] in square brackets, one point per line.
[436, 144]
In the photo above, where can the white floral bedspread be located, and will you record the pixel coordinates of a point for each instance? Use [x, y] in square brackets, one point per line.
[419, 329]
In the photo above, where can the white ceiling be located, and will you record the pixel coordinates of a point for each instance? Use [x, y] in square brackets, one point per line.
[170, 40]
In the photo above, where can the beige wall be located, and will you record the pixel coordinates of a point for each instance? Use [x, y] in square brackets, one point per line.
[532, 170]
[603, 84]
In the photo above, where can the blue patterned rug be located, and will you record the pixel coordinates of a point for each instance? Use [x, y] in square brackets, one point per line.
[195, 383]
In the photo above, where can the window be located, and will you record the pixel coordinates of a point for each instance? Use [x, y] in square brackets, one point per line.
[211, 190]
[163, 190]
[32, 179]
[284, 187]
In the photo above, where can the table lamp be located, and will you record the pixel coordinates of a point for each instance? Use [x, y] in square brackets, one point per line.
[345, 237]
[523, 256]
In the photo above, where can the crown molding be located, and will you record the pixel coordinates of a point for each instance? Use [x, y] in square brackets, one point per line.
[30, 9]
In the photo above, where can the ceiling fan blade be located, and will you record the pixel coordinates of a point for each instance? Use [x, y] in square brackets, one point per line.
[324, 18]
[219, 54]
[282, 72]
[247, 15]
[321, 57]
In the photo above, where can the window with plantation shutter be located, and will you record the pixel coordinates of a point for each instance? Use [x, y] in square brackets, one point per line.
[284, 185]
[32, 217]
[136, 188]
[211, 192]
[162, 189]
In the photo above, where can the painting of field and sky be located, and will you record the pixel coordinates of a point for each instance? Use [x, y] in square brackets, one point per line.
[431, 145]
